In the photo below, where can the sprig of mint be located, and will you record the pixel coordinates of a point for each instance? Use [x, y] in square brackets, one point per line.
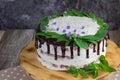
[75, 72]
[81, 41]
[92, 69]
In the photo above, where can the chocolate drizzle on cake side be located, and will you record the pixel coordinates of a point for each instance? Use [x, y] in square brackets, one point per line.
[39, 41]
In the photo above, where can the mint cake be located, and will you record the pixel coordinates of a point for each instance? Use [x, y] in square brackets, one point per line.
[69, 39]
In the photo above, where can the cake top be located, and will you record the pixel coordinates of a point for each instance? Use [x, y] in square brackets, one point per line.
[73, 27]
[80, 26]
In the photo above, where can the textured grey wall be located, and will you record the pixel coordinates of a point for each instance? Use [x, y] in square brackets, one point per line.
[28, 13]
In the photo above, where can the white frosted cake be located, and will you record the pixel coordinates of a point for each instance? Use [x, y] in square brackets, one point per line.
[70, 40]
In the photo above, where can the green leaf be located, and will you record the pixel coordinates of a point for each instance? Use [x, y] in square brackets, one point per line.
[44, 22]
[95, 74]
[100, 21]
[40, 34]
[107, 68]
[81, 43]
[91, 15]
[89, 67]
[92, 66]
[69, 13]
[73, 71]
[82, 73]
[55, 16]
[103, 60]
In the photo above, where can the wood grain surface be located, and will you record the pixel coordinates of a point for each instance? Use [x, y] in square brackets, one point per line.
[29, 62]
[11, 44]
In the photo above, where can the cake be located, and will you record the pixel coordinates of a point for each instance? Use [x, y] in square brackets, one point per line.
[71, 38]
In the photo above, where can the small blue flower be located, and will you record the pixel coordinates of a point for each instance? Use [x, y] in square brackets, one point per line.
[74, 30]
[54, 23]
[68, 34]
[68, 27]
[49, 17]
[83, 32]
[82, 27]
[64, 31]
[57, 29]
[45, 27]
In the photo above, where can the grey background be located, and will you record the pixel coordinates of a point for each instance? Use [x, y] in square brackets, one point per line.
[19, 14]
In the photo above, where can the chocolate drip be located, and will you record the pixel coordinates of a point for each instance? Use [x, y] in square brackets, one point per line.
[94, 49]
[106, 41]
[71, 49]
[41, 41]
[36, 42]
[48, 48]
[40, 45]
[63, 51]
[107, 35]
[98, 47]
[87, 53]
[49, 41]
[78, 51]
[103, 46]
[55, 50]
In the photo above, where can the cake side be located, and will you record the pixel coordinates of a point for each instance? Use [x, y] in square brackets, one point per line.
[71, 40]
[80, 57]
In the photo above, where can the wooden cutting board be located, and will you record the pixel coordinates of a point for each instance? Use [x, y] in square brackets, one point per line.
[36, 70]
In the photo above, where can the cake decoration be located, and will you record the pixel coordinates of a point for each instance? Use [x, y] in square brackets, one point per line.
[88, 38]
[92, 69]
[71, 39]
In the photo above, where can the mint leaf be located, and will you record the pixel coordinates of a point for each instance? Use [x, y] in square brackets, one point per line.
[69, 13]
[44, 22]
[89, 67]
[81, 43]
[73, 71]
[40, 34]
[91, 15]
[82, 73]
[55, 16]
[107, 68]
[100, 21]
[95, 73]
[103, 60]
[92, 66]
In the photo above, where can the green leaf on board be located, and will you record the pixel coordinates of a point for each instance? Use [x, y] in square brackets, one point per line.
[82, 73]
[92, 69]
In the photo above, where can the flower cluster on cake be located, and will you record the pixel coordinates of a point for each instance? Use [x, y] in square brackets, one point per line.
[71, 39]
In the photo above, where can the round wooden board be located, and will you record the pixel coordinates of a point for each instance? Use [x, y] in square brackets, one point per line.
[36, 70]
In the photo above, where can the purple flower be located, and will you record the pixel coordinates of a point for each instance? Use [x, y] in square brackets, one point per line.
[74, 30]
[54, 23]
[83, 32]
[57, 29]
[64, 31]
[69, 34]
[45, 27]
[82, 27]
[49, 17]
[68, 27]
